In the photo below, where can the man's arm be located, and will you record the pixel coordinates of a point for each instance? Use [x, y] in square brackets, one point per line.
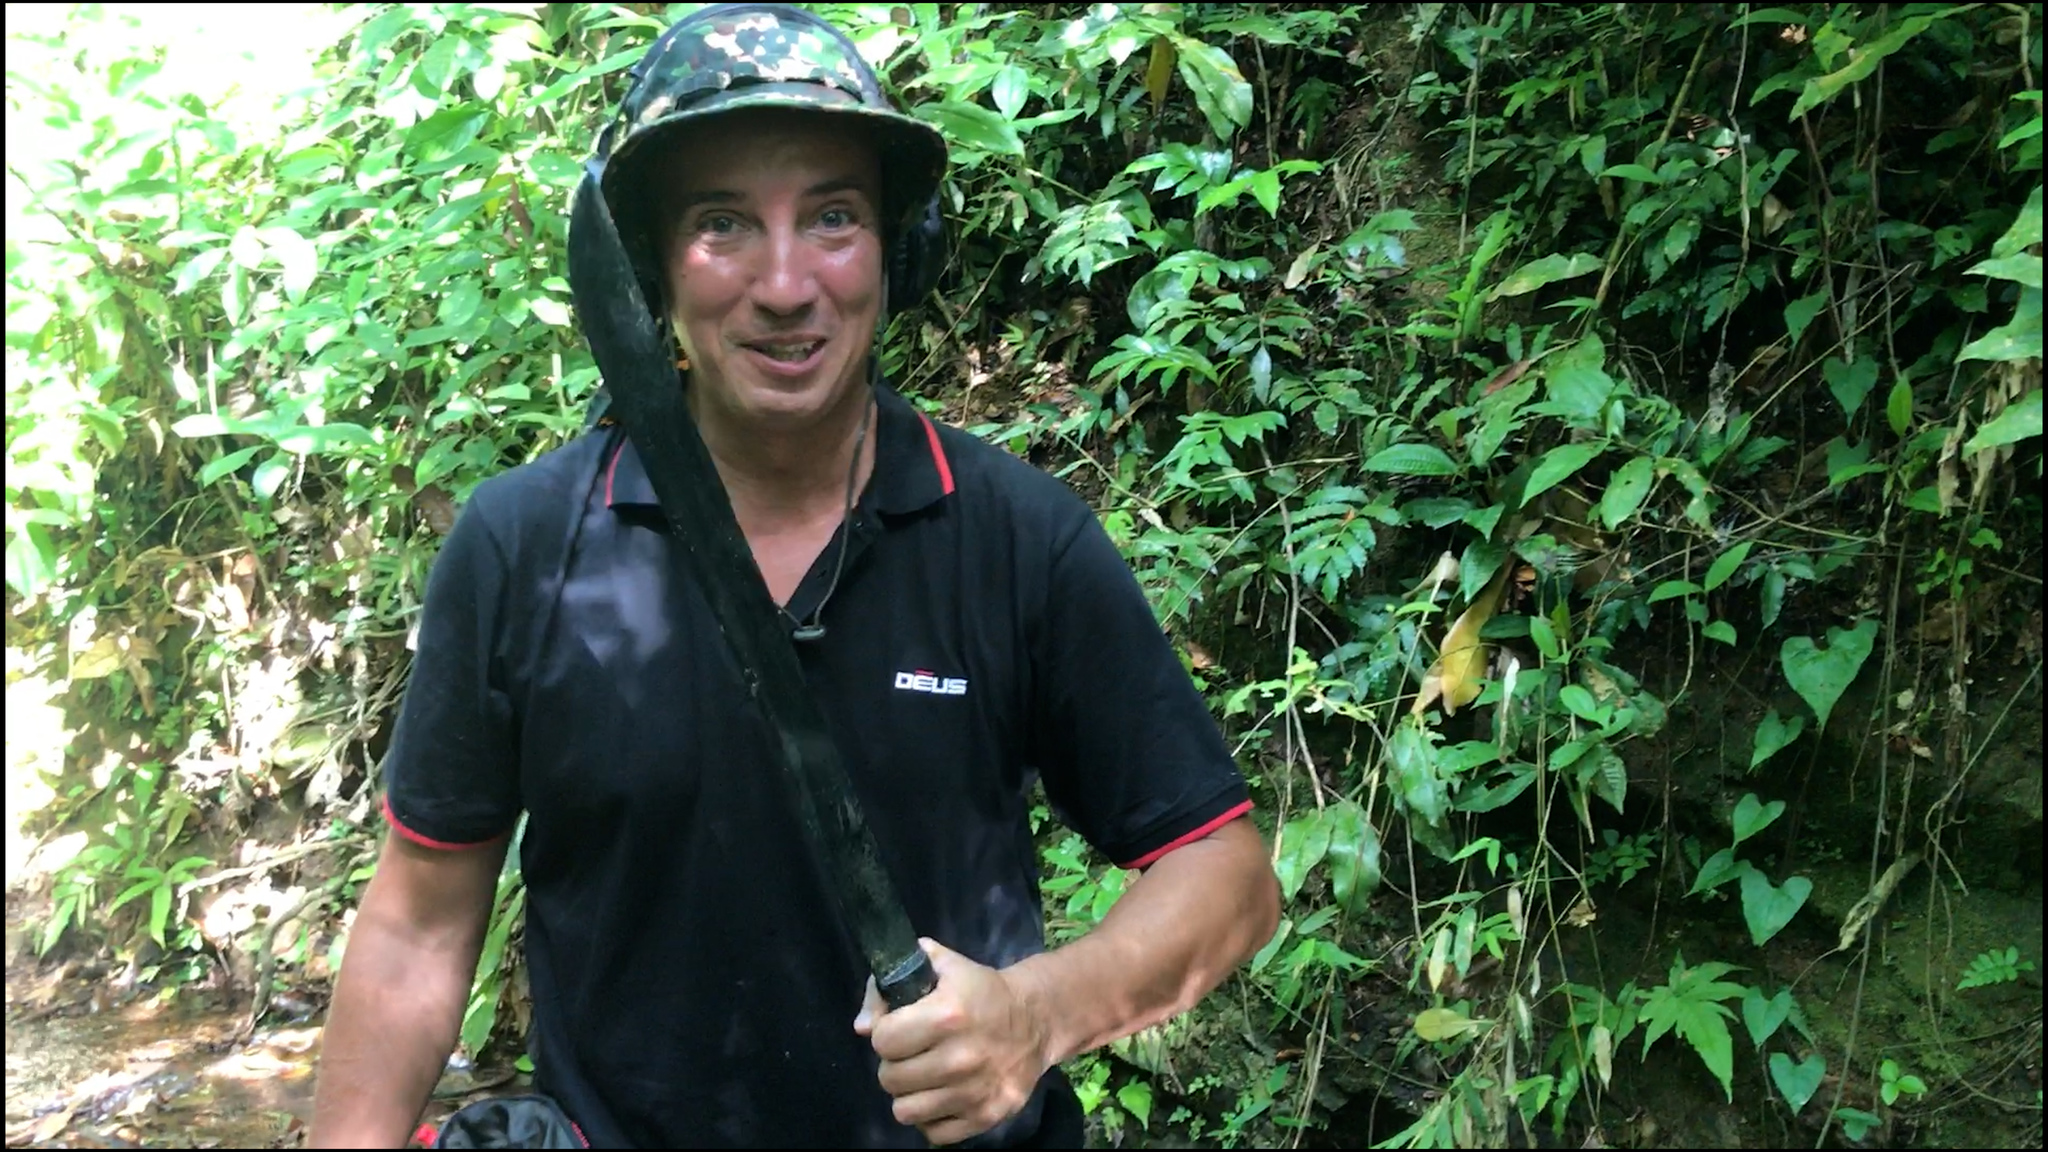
[404, 983]
[967, 1057]
[1189, 920]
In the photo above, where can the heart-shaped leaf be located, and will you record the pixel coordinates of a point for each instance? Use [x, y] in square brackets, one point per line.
[1850, 382]
[1762, 1017]
[1772, 734]
[1798, 1081]
[1753, 816]
[1821, 675]
[1766, 907]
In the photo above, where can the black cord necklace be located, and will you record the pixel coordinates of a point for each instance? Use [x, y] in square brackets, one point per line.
[816, 629]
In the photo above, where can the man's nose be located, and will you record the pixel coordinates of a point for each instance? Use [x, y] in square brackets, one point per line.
[786, 281]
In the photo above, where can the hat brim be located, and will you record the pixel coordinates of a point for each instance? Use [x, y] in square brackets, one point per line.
[913, 153]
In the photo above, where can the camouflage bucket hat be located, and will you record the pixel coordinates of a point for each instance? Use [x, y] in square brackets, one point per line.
[732, 56]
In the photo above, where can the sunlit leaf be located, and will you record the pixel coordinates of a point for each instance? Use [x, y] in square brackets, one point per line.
[1221, 91]
[1547, 270]
[972, 126]
[2016, 421]
[1461, 659]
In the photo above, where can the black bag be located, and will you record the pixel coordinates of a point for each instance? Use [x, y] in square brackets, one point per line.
[532, 1121]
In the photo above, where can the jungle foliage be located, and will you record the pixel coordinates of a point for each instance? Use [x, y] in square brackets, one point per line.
[1458, 380]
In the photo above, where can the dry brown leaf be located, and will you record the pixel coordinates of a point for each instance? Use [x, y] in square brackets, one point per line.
[1159, 70]
[1507, 376]
[436, 506]
[1199, 656]
[1461, 660]
[49, 1127]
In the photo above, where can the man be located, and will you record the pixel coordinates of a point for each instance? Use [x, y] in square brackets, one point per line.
[961, 617]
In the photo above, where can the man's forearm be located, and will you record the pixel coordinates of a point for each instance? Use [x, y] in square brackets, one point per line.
[1190, 919]
[397, 1008]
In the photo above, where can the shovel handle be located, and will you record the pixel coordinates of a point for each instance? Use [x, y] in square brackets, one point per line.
[909, 982]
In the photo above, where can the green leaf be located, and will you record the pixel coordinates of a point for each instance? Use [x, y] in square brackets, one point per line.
[31, 560]
[1698, 1021]
[1898, 408]
[1774, 733]
[1558, 465]
[297, 259]
[440, 136]
[2026, 228]
[2019, 268]
[246, 248]
[1763, 1017]
[1436, 1024]
[1800, 313]
[1821, 676]
[1752, 816]
[1720, 868]
[1719, 630]
[1411, 761]
[1606, 774]
[1767, 908]
[1354, 856]
[1412, 460]
[550, 311]
[1593, 153]
[1633, 172]
[460, 304]
[1725, 565]
[303, 439]
[1266, 190]
[199, 267]
[2018, 340]
[1221, 91]
[1797, 1082]
[206, 424]
[2015, 422]
[1011, 89]
[1578, 700]
[1771, 596]
[1303, 843]
[1547, 270]
[1856, 1123]
[1671, 588]
[972, 126]
[1863, 60]
[220, 466]
[1625, 491]
[1850, 383]
[271, 475]
[1136, 1097]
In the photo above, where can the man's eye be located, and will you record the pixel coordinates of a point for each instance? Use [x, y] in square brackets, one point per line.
[718, 225]
[836, 219]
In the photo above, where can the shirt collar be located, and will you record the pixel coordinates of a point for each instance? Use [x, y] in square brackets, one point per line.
[911, 472]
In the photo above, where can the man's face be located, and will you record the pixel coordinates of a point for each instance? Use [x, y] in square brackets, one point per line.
[774, 261]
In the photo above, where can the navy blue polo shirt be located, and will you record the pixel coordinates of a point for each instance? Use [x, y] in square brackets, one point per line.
[692, 984]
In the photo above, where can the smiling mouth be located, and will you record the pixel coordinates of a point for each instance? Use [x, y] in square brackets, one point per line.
[789, 353]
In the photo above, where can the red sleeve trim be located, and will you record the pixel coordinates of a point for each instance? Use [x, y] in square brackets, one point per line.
[931, 432]
[391, 818]
[611, 472]
[1191, 837]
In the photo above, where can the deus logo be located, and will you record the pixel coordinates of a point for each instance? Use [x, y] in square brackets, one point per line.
[923, 681]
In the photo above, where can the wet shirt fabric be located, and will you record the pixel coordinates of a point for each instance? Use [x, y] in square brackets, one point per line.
[691, 982]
